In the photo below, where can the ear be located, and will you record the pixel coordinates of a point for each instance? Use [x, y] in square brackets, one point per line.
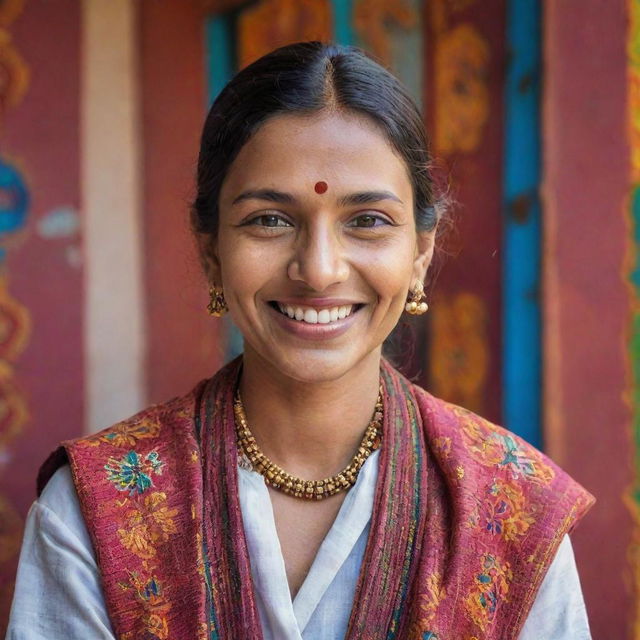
[208, 251]
[425, 244]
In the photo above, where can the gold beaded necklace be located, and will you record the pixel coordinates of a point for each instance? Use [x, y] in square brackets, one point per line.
[279, 479]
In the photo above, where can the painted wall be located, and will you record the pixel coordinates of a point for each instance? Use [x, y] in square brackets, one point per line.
[183, 343]
[465, 74]
[451, 51]
[41, 293]
[586, 299]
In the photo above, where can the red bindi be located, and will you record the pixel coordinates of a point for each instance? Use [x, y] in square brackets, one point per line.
[321, 187]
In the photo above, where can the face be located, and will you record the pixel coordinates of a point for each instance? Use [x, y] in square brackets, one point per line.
[339, 257]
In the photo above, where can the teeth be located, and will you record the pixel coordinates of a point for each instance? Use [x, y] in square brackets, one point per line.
[315, 316]
[311, 316]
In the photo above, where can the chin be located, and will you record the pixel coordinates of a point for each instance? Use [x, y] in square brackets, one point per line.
[320, 366]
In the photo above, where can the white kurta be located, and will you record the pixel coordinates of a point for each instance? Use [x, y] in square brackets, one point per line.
[58, 592]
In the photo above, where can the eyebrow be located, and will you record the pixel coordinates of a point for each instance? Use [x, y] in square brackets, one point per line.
[265, 194]
[272, 195]
[366, 197]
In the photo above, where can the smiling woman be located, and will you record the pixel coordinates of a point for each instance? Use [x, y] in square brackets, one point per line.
[307, 490]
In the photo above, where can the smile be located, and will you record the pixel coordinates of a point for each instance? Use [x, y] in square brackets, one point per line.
[313, 315]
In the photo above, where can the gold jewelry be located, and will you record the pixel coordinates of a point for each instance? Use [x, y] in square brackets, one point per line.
[278, 478]
[416, 302]
[217, 304]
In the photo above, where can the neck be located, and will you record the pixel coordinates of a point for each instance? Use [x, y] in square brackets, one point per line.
[310, 429]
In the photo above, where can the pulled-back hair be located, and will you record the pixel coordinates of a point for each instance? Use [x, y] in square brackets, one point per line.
[305, 78]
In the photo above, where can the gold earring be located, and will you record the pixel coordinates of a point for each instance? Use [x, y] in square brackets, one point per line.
[217, 304]
[416, 304]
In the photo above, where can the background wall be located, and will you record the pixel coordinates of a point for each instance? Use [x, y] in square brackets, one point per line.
[101, 295]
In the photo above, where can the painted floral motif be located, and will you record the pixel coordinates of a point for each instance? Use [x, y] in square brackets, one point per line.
[133, 472]
[502, 511]
[148, 525]
[493, 446]
[490, 588]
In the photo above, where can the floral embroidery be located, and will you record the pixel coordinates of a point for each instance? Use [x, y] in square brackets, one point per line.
[133, 473]
[427, 606]
[494, 446]
[490, 588]
[442, 447]
[148, 525]
[501, 511]
[126, 433]
[154, 621]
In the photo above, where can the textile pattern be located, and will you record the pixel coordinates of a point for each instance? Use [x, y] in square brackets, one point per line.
[466, 521]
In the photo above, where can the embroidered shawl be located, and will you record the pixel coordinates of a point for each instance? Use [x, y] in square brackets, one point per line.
[466, 520]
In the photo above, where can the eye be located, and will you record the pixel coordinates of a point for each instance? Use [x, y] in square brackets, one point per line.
[270, 220]
[368, 220]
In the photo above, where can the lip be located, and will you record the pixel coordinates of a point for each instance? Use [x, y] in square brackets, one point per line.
[318, 303]
[309, 331]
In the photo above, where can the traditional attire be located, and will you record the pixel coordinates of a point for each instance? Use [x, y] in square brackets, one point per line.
[465, 521]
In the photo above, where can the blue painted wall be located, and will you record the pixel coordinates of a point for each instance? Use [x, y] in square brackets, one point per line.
[522, 358]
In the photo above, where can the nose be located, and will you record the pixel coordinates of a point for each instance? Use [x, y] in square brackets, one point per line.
[320, 258]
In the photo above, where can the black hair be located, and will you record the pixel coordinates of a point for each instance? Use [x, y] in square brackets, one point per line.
[305, 78]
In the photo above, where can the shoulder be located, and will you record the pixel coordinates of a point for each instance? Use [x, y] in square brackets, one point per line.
[487, 447]
[142, 434]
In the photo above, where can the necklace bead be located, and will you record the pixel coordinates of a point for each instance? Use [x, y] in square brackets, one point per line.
[279, 479]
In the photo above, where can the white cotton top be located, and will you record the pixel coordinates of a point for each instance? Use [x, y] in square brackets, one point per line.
[58, 593]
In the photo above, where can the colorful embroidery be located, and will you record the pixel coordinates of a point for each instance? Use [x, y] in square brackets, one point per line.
[491, 587]
[125, 434]
[428, 602]
[133, 473]
[442, 447]
[502, 511]
[153, 574]
[493, 446]
[149, 593]
[147, 525]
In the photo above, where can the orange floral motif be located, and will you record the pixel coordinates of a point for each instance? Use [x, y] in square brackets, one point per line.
[490, 588]
[493, 446]
[459, 358]
[128, 432]
[502, 511]
[268, 24]
[148, 525]
[462, 95]
[372, 18]
[442, 446]
[154, 622]
[427, 607]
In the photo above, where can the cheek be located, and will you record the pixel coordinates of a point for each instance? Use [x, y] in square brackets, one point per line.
[390, 271]
[247, 265]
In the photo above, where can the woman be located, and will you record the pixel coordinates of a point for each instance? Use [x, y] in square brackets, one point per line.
[316, 219]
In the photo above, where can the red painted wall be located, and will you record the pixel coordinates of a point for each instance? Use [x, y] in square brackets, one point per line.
[586, 305]
[475, 177]
[41, 136]
[182, 340]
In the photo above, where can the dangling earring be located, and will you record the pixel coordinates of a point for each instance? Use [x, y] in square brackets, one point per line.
[217, 304]
[416, 304]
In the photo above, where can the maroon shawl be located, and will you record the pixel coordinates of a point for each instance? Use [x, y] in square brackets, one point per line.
[466, 521]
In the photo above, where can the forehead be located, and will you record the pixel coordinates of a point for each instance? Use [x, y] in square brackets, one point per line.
[345, 150]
